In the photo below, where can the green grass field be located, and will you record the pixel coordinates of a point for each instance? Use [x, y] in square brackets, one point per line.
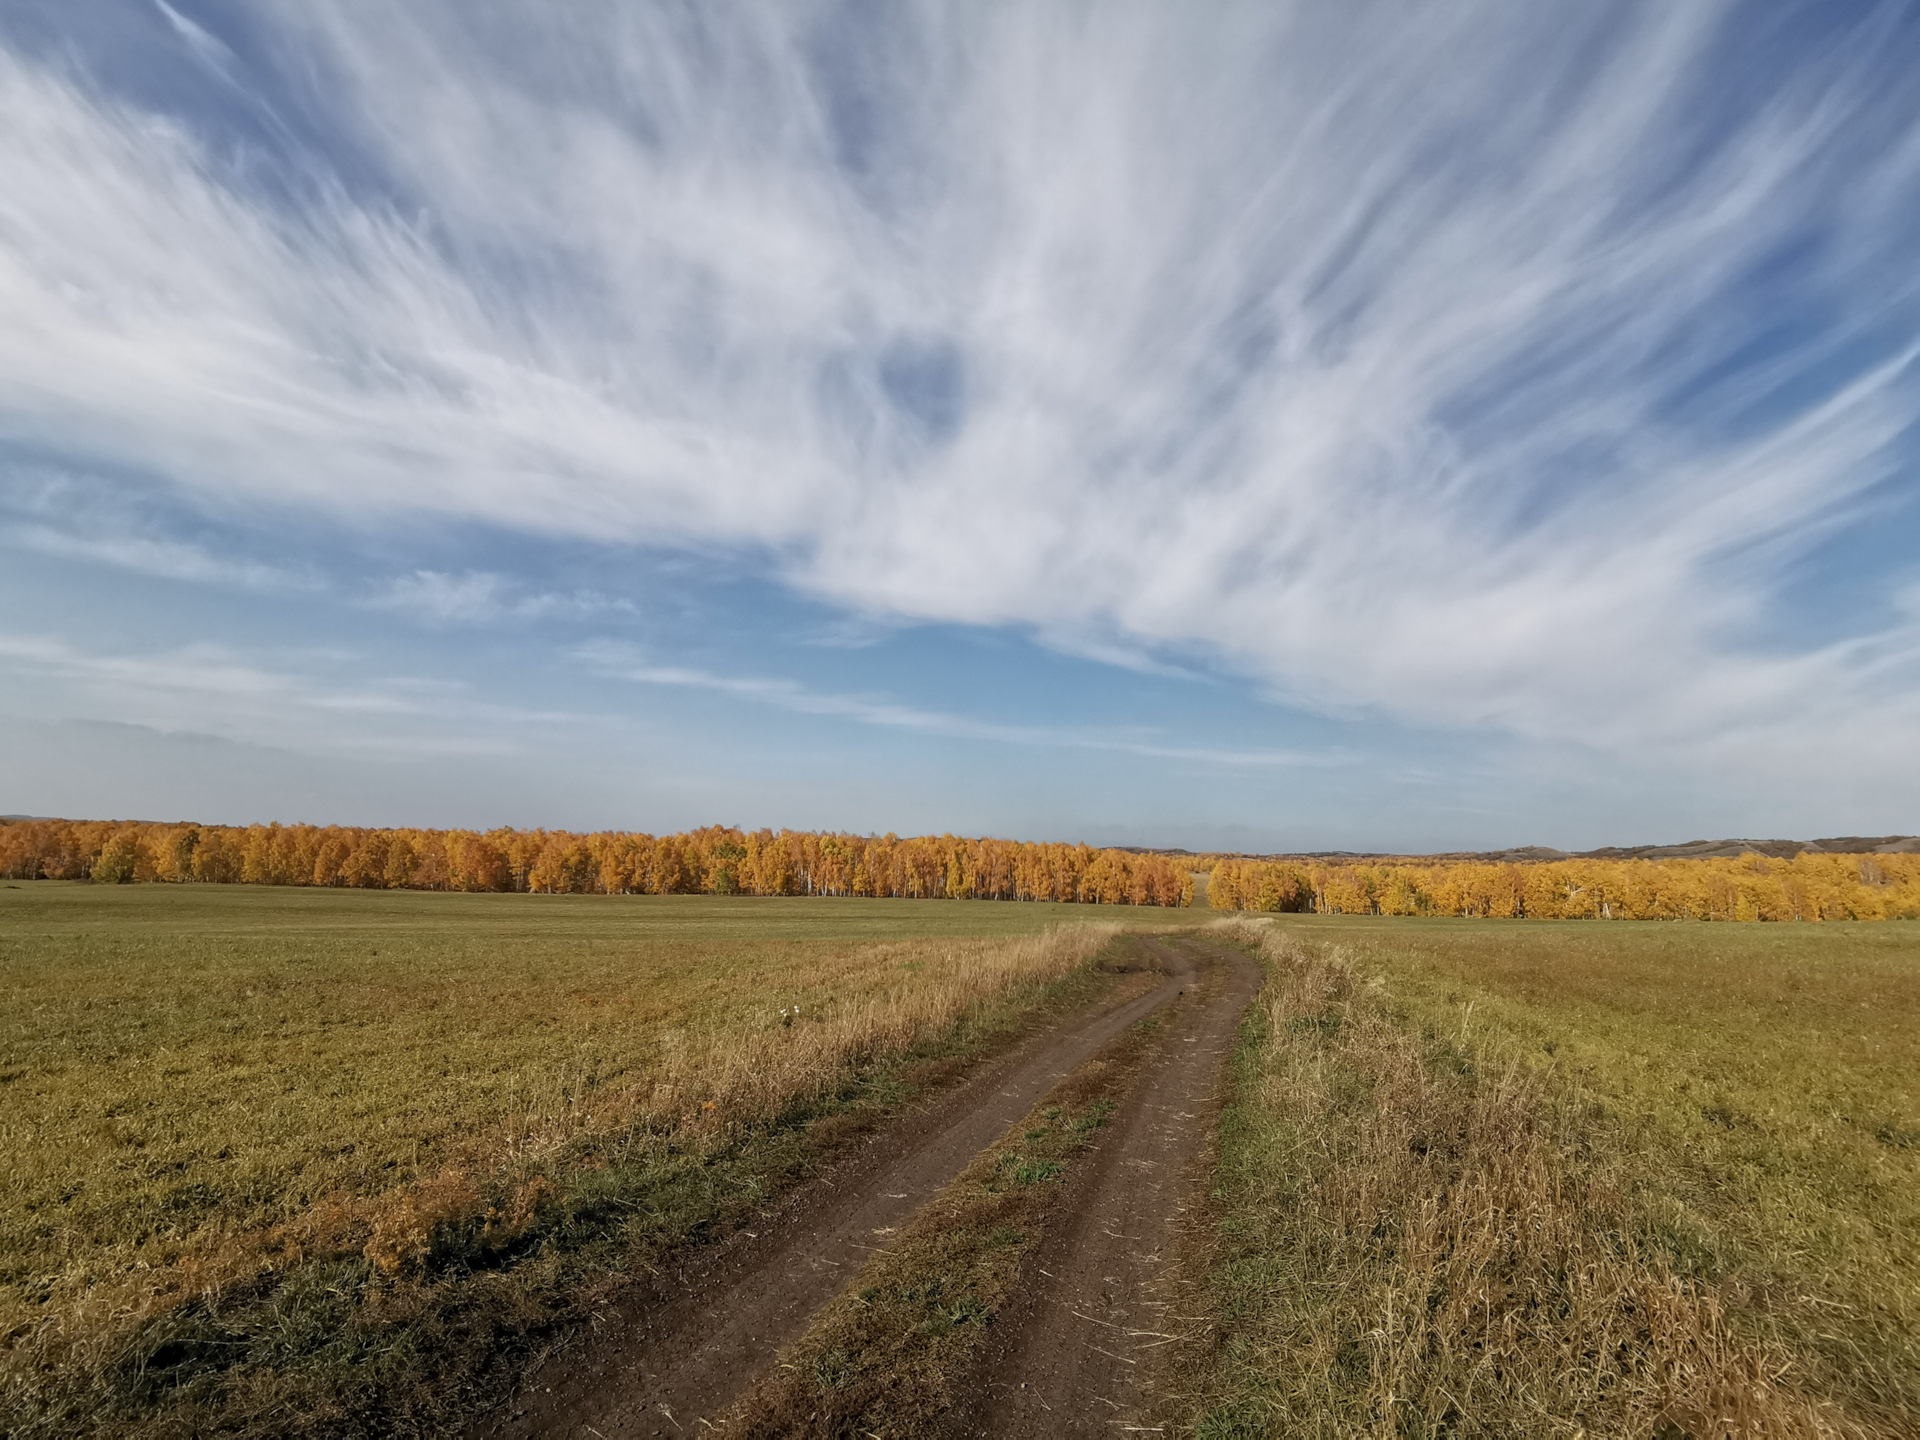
[1500, 1177]
[209, 1089]
[287, 1159]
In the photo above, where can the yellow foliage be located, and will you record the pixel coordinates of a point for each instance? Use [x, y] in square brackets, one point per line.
[717, 860]
[1750, 887]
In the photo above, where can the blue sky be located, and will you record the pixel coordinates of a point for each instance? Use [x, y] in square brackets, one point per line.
[1260, 426]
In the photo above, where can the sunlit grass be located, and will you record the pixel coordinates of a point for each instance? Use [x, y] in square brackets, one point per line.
[1676, 1165]
[205, 1086]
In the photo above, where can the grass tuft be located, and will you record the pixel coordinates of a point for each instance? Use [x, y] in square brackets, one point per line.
[1429, 1224]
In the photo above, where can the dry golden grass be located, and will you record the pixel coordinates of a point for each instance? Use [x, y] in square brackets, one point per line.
[1516, 1185]
[278, 1159]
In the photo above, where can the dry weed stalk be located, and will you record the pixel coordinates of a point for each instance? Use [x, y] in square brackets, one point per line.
[1441, 1254]
[747, 1078]
[705, 1086]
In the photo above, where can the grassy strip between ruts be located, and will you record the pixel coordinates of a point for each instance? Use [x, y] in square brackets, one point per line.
[1425, 1229]
[884, 1358]
[403, 1320]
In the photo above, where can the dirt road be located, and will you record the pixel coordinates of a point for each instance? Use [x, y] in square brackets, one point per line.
[1080, 1355]
[679, 1357]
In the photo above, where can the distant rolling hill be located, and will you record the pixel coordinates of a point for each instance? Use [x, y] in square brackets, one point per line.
[1691, 850]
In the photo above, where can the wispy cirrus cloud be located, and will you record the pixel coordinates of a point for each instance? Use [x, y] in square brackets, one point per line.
[478, 597]
[163, 558]
[199, 673]
[325, 705]
[204, 46]
[1489, 369]
[622, 662]
[76, 516]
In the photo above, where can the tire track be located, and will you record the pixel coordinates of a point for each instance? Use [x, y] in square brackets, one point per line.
[664, 1366]
[1082, 1354]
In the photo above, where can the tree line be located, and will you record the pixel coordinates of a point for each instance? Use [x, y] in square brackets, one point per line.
[1749, 887]
[717, 860]
[726, 860]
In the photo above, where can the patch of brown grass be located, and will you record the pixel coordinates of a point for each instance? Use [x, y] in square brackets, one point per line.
[262, 1177]
[1419, 1237]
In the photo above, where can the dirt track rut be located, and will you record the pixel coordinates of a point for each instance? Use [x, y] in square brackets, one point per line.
[1080, 1354]
[666, 1365]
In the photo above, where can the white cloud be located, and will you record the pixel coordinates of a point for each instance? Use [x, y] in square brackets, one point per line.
[206, 48]
[76, 516]
[199, 670]
[480, 596]
[215, 688]
[1385, 354]
[149, 555]
[622, 663]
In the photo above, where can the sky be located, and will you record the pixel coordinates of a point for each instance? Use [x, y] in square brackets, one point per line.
[1246, 426]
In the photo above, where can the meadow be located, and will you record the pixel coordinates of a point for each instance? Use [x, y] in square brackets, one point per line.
[290, 1159]
[277, 1153]
[1565, 1178]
